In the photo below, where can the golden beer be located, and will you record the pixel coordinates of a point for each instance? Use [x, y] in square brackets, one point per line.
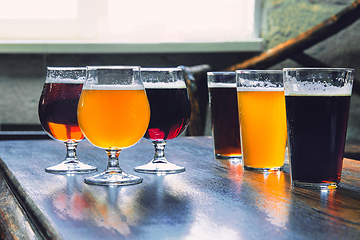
[263, 127]
[113, 119]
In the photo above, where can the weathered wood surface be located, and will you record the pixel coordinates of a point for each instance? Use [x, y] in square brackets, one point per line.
[13, 223]
[211, 200]
[303, 41]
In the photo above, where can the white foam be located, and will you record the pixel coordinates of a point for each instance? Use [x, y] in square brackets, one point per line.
[296, 88]
[65, 80]
[221, 85]
[172, 85]
[112, 87]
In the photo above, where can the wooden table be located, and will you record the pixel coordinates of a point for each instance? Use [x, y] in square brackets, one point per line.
[211, 200]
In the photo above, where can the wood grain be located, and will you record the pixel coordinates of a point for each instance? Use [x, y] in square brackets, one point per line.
[212, 199]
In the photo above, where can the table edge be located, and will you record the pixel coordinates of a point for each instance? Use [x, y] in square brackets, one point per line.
[37, 219]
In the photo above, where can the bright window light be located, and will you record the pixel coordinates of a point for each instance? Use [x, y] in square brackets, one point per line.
[38, 9]
[181, 21]
[130, 21]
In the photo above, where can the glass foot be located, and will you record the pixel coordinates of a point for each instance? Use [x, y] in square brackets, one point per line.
[70, 167]
[113, 178]
[159, 168]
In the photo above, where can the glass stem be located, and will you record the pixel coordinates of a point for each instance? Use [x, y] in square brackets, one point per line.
[71, 156]
[113, 161]
[159, 152]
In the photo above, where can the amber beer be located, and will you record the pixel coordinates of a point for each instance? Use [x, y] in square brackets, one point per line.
[114, 116]
[262, 115]
[57, 110]
[225, 120]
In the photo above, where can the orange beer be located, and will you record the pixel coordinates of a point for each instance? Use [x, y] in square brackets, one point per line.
[263, 127]
[114, 118]
[63, 132]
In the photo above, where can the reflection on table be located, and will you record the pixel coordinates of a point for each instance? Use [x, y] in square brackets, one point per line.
[212, 199]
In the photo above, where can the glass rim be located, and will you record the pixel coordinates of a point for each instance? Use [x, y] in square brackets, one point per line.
[259, 71]
[318, 69]
[165, 69]
[66, 68]
[220, 73]
[112, 67]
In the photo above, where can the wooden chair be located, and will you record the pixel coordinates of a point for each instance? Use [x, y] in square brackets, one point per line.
[294, 48]
[196, 83]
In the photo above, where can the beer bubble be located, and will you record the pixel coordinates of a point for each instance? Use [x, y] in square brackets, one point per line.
[296, 88]
[177, 85]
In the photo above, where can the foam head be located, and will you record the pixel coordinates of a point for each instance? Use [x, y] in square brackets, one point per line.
[318, 81]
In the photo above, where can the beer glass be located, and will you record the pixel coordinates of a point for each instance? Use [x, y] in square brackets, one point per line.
[113, 114]
[262, 117]
[317, 105]
[58, 115]
[170, 114]
[224, 114]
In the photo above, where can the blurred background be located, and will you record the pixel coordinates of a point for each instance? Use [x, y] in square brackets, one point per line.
[159, 33]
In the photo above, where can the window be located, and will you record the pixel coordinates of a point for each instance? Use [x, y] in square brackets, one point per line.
[154, 22]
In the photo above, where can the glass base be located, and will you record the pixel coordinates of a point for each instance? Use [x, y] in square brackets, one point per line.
[224, 157]
[275, 169]
[321, 186]
[70, 167]
[113, 178]
[159, 168]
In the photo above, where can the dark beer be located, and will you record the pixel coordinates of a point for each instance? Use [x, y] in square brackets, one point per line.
[225, 120]
[58, 110]
[170, 113]
[317, 131]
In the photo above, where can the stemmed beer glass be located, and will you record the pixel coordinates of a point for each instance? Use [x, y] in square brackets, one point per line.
[57, 113]
[113, 114]
[170, 114]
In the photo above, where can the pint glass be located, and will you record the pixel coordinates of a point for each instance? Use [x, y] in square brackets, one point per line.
[224, 114]
[262, 117]
[317, 105]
